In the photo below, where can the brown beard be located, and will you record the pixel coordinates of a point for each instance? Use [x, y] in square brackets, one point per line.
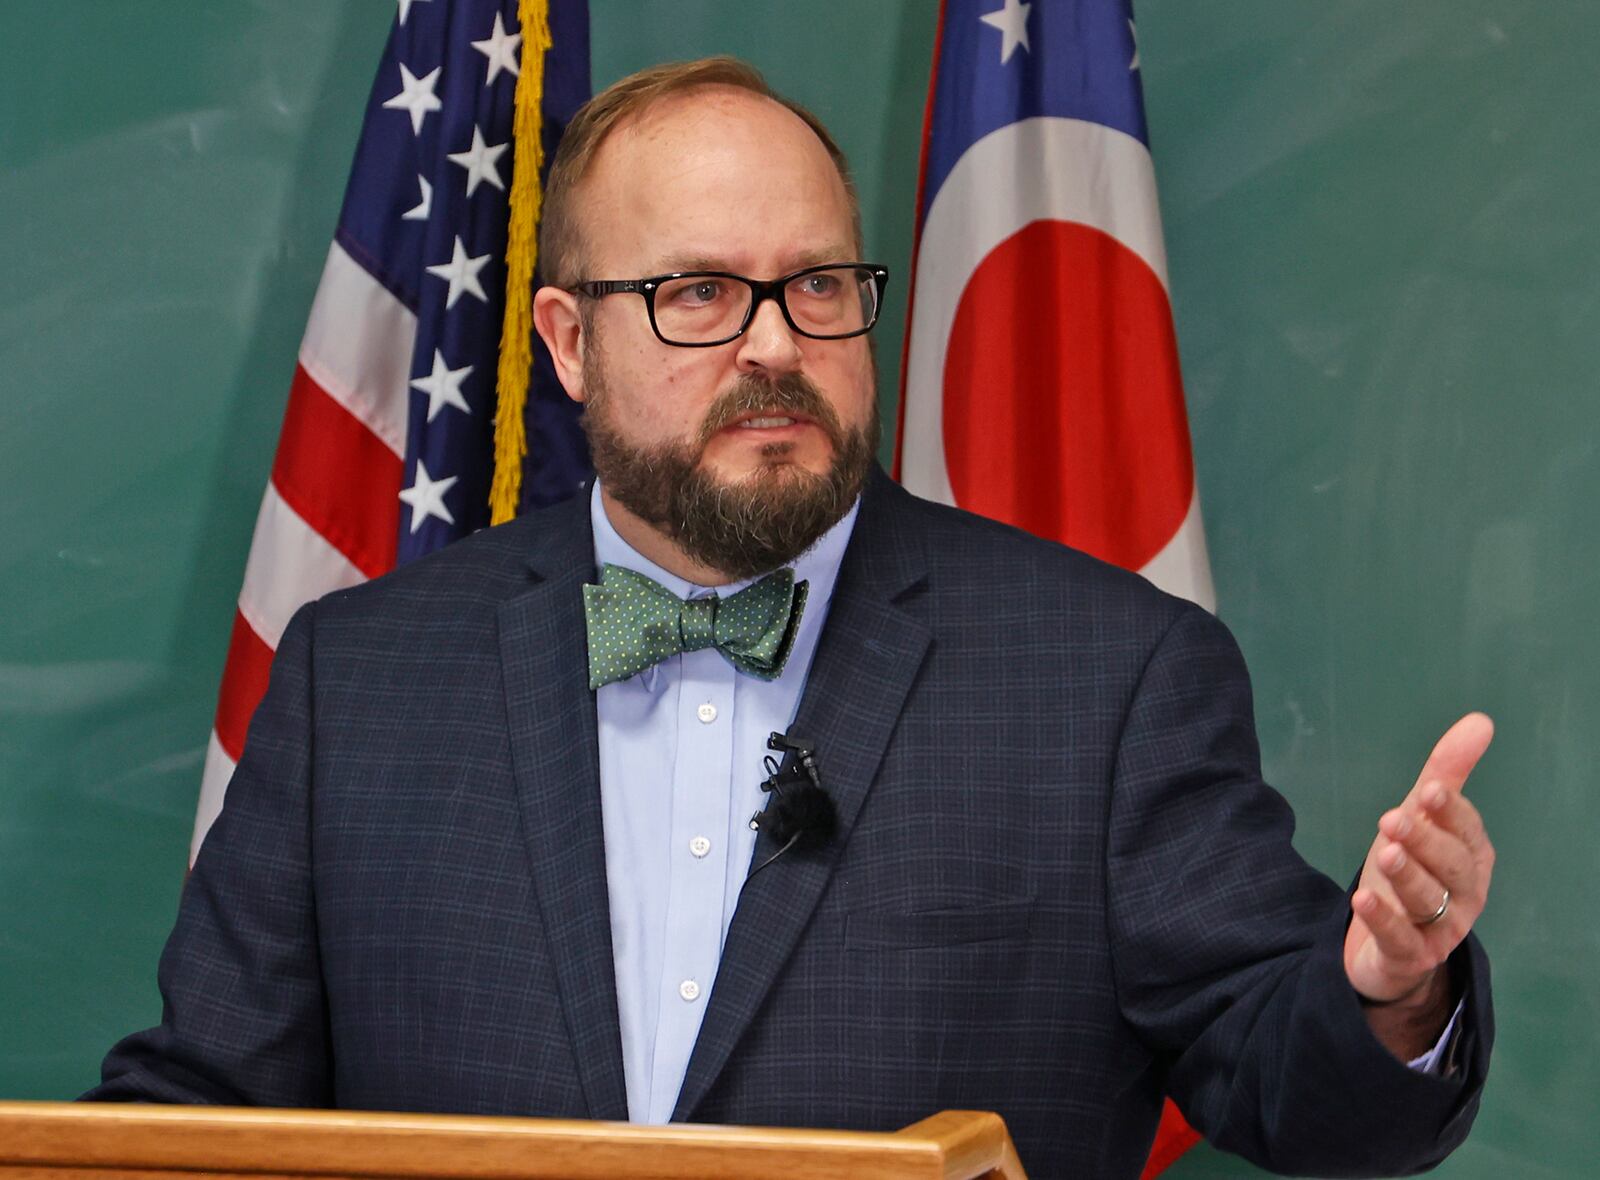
[741, 529]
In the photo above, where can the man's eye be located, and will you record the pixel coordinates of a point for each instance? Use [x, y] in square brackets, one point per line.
[699, 293]
[823, 286]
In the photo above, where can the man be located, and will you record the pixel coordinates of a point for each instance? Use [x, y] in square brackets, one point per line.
[490, 846]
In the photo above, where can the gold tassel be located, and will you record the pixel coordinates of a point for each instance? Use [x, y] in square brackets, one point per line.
[522, 248]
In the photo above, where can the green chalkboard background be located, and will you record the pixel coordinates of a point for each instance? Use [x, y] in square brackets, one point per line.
[1385, 259]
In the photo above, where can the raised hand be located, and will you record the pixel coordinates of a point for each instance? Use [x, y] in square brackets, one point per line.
[1425, 880]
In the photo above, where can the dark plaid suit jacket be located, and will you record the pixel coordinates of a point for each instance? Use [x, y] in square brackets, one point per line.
[1059, 887]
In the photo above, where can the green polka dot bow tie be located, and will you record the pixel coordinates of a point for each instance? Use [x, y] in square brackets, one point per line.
[634, 623]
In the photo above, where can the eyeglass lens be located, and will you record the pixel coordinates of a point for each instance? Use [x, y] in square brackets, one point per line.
[694, 309]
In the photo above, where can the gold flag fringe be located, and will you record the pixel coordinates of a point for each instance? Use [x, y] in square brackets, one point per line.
[522, 248]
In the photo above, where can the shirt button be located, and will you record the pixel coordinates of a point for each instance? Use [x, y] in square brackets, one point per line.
[707, 713]
[699, 846]
[689, 990]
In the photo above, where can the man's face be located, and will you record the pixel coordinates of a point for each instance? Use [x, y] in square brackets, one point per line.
[744, 453]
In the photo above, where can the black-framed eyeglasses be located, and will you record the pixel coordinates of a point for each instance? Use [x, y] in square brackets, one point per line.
[704, 308]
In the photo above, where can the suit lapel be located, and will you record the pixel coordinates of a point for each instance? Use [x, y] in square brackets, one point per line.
[551, 717]
[850, 716]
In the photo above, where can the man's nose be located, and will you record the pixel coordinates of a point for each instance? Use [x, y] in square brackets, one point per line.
[769, 344]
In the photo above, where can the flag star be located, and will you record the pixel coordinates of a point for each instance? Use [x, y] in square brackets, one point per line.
[443, 387]
[405, 8]
[1012, 21]
[462, 274]
[420, 211]
[416, 97]
[426, 497]
[1134, 33]
[501, 49]
[480, 161]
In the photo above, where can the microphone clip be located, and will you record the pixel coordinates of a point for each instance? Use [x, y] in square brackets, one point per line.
[800, 809]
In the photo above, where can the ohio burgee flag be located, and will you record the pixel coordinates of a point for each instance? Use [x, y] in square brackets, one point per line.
[1041, 376]
[1041, 383]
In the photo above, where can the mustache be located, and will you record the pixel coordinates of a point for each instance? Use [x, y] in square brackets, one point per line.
[790, 394]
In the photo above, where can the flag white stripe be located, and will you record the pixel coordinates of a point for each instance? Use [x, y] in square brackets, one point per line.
[357, 347]
[213, 785]
[1183, 566]
[290, 563]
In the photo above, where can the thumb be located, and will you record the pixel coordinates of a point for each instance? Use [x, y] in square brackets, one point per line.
[1457, 752]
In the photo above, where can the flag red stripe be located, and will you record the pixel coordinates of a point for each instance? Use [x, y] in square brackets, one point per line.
[244, 683]
[339, 476]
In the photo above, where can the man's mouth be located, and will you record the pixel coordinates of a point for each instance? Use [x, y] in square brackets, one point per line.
[768, 421]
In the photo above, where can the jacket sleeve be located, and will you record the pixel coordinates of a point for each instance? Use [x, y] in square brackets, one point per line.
[244, 1019]
[1228, 948]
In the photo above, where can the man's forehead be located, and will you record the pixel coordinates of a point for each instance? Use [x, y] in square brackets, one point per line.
[719, 178]
[718, 122]
[701, 109]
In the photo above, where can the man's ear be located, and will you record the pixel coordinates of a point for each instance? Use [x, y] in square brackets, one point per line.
[560, 326]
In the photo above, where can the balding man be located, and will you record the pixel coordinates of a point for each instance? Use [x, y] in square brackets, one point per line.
[490, 848]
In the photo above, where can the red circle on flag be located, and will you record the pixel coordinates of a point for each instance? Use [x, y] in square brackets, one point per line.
[1063, 403]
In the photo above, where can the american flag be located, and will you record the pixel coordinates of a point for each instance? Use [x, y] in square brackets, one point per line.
[1041, 377]
[388, 436]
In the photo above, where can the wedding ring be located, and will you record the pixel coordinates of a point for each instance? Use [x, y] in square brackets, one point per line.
[1444, 908]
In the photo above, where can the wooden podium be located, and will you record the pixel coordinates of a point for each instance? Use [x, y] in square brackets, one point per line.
[69, 1141]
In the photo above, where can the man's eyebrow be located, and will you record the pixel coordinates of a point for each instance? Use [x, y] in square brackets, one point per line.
[673, 263]
[833, 253]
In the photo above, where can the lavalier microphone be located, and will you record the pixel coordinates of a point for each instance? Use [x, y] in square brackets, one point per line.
[799, 810]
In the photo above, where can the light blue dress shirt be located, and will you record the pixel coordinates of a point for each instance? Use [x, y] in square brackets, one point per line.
[681, 749]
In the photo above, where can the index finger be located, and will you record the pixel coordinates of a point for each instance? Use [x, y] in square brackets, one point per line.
[1457, 752]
